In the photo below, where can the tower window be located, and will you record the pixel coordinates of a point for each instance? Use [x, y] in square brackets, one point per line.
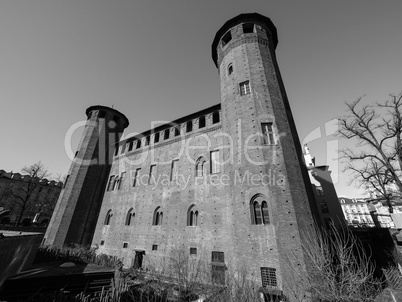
[215, 117]
[102, 242]
[130, 145]
[147, 140]
[156, 138]
[189, 126]
[122, 176]
[245, 88]
[111, 181]
[268, 133]
[125, 245]
[130, 217]
[116, 150]
[215, 164]
[108, 217]
[138, 144]
[166, 134]
[154, 247]
[151, 179]
[218, 257]
[177, 130]
[193, 251]
[201, 122]
[158, 216]
[199, 169]
[248, 28]
[259, 210]
[268, 277]
[226, 38]
[192, 216]
[175, 170]
[230, 69]
[136, 181]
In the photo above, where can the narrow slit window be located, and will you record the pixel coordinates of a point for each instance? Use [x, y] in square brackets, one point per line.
[156, 138]
[201, 122]
[138, 144]
[175, 170]
[130, 145]
[147, 140]
[136, 181]
[189, 126]
[177, 130]
[166, 134]
[111, 181]
[230, 69]
[215, 117]
[151, 179]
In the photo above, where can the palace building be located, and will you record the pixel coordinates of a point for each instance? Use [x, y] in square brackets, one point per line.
[228, 183]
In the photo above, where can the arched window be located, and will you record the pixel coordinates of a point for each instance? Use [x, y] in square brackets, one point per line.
[158, 216]
[200, 166]
[192, 216]
[130, 217]
[108, 217]
[259, 210]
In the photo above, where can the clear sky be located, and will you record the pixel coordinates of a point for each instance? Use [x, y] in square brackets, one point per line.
[152, 61]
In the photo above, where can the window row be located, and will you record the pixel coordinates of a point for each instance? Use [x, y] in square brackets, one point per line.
[259, 211]
[115, 181]
[157, 219]
[157, 137]
[247, 28]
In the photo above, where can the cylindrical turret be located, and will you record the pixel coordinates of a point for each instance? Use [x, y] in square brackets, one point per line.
[75, 214]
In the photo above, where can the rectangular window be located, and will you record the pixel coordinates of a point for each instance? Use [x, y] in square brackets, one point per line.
[268, 277]
[136, 181]
[177, 130]
[166, 134]
[122, 176]
[215, 117]
[154, 247]
[201, 122]
[125, 245]
[138, 144]
[147, 140]
[116, 182]
[245, 88]
[193, 251]
[189, 126]
[175, 170]
[111, 181]
[156, 139]
[151, 179]
[248, 28]
[268, 133]
[102, 242]
[215, 163]
[218, 257]
[130, 145]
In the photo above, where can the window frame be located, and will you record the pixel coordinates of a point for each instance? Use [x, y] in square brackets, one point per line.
[215, 167]
[245, 88]
[268, 133]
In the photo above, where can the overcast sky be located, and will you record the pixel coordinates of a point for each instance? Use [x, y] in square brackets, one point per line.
[151, 60]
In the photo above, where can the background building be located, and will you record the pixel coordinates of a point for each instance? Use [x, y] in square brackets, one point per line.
[39, 205]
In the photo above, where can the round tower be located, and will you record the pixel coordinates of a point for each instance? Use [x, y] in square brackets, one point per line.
[76, 212]
[267, 156]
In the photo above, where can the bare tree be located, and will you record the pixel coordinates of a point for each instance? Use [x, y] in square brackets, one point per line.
[376, 159]
[341, 270]
[23, 192]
